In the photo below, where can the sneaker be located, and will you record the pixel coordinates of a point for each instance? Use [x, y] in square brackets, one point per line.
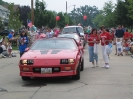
[132, 56]
[9, 56]
[104, 66]
[3, 56]
[107, 66]
[97, 65]
[93, 66]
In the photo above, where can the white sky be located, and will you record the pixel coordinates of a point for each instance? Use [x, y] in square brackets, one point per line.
[60, 5]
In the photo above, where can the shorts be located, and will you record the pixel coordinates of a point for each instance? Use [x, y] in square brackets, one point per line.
[119, 49]
[10, 50]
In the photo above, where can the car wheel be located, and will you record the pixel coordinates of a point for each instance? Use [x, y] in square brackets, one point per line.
[82, 65]
[25, 78]
[77, 76]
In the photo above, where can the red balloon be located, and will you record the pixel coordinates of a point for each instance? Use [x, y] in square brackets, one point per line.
[85, 17]
[57, 18]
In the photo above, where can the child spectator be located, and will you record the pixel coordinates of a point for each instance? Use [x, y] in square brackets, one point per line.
[23, 42]
[3, 50]
[126, 46]
[9, 49]
[119, 47]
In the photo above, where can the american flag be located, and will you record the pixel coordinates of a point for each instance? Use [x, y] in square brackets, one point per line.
[29, 23]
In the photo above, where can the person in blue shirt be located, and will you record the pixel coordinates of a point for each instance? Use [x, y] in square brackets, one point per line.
[23, 42]
[10, 36]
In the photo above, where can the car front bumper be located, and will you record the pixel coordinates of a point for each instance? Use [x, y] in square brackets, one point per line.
[57, 74]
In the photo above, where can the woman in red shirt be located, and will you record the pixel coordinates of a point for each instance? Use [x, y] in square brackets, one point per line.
[93, 38]
[105, 39]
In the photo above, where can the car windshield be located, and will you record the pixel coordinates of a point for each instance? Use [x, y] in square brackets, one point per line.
[70, 36]
[80, 30]
[54, 44]
[68, 30]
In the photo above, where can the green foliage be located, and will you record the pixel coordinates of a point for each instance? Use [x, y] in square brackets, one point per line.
[61, 22]
[1, 25]
[24, 11]
[98, 20]
[129, 6]
[14, 22]
[90, 12]
[3, 2]
[44, 17]
[106, 16]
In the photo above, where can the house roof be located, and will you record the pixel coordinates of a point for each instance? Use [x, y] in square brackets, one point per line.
[15, 7]
[4, 9]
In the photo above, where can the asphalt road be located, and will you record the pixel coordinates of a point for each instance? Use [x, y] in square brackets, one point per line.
[95, 83]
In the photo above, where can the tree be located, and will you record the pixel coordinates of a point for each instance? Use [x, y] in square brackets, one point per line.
[130, 8]
[98, 20]
[3, 2]
[51, 19]
[14, 22]
[24, 11]
[61, 23]
[40, 13]
[90, 12]
[108, 13]
[121, 13]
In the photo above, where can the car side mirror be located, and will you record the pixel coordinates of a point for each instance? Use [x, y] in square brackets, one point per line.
[27, 49]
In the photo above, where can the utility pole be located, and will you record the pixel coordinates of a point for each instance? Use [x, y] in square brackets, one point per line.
[74, 15]
[32, 11]
[66, 7]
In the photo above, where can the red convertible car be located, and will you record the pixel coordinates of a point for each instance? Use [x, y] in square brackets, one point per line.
[54, 57]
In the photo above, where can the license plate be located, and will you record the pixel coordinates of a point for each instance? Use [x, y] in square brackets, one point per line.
[46, 70]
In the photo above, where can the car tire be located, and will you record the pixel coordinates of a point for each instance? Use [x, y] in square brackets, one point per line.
[77, 76]
[82, 65]
[25, 78]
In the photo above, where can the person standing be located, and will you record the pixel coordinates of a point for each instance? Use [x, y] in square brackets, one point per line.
[93, 39]
[119, 35]
[33, 34]
[23, 42]
[105, 39]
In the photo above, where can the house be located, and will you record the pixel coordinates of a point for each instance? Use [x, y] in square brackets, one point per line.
[16, 7]
[4, 15]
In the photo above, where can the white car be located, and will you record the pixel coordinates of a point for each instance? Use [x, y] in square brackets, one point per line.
[75, 29]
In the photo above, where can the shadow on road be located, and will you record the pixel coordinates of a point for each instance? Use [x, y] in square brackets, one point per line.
[40, 82]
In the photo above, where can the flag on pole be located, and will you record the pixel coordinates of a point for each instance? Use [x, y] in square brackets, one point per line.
[29, 23]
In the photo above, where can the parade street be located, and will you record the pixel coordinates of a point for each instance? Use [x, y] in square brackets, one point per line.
[95, 83]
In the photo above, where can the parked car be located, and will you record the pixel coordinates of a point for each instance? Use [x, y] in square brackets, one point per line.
[50, 58]
[75, 29]
[4, 32]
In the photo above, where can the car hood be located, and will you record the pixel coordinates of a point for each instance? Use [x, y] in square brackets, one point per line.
[50, 54]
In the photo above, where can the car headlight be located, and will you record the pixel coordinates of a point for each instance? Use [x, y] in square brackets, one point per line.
[71, 61]
[26, 62]
[67, 61]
